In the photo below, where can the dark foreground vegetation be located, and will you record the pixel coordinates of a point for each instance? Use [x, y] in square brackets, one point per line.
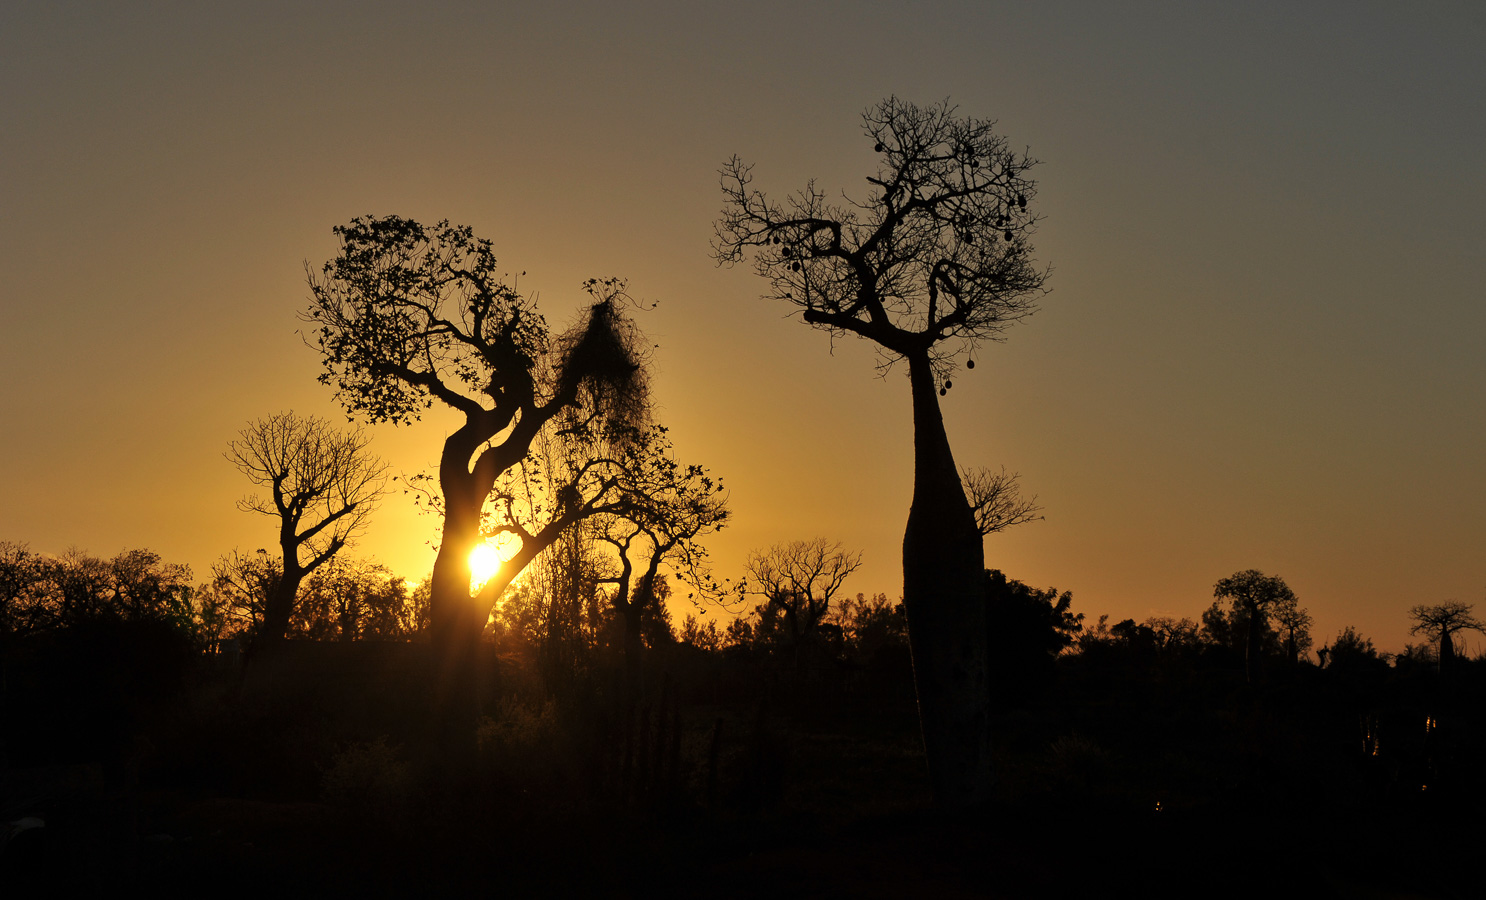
[763, 759]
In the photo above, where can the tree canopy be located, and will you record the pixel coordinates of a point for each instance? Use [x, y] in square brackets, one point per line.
[934, 257]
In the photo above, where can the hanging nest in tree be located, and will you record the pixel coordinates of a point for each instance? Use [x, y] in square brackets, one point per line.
[604, 359]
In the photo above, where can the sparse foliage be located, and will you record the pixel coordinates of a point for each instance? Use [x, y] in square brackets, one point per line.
[797, 581]
[322, 485]
[1441, 622]
[931, 262]
[408, 315]
[997, 500]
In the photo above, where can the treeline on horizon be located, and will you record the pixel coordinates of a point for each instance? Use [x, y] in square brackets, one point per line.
[352, 599]
[791, 707]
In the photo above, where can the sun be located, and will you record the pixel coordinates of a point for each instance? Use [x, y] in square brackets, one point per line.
[485, 561]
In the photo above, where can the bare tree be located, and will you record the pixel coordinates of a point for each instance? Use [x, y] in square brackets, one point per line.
[1295, 624]
[1254, 593]
[1441, 622]
[408, 315]
[243, 584]
[321, 483]
[798, 580]
[932, 262]
[997, 500]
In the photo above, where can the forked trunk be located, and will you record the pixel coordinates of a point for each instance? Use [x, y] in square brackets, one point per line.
[944, 597]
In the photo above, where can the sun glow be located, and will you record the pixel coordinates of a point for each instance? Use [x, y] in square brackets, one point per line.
[485, 561]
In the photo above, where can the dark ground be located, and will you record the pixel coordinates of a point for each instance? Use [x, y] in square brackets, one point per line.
[318, 777]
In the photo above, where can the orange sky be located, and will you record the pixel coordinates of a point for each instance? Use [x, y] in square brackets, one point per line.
[1263, 347]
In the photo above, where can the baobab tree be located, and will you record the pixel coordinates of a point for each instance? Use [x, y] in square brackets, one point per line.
[1254, 593]
[1441, 622]
[322, 483]
[408, 315]
[933, 261]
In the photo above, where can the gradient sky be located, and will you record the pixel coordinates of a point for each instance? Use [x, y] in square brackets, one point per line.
[1263, 347]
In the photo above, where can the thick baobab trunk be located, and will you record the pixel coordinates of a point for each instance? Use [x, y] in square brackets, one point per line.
[944, 597]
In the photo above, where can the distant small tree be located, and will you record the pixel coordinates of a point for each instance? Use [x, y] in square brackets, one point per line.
[703, 636]
[321, 483]
[1255, 593]
[352, 600]
[1294, 626]
[1351, 654]
[873, 626]
[656, 513]
[245, 582]
[797, 581]
[1441, 622]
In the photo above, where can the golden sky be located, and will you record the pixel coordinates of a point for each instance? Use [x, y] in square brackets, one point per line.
[1263, 347]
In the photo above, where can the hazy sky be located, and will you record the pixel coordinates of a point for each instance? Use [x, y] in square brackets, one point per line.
[1263, 347]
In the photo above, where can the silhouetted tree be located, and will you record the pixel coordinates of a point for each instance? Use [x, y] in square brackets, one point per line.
[664, 510]
[41, 593]
[997, 500]
[1294, 624]
[566, 606]
[408, 315]
[351, 600]
[245, 582]
[931, 263]
[702, 636]
[1351, 655]
[1027, 628]
[322, 485]
[1441, 622]
[26, 590]
[797, 581]
[1254, 593]
[874, 627]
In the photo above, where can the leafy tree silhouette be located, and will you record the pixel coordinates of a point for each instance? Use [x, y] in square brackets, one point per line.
[408, 315]
[930, 264]
[1254, 593]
